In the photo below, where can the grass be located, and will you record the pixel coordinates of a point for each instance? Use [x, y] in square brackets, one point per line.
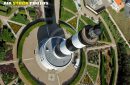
[113, 29]
[0, 23]
[87, 20]
[33, 13]
[102, 71]
[111, 26]
[4, 8]
[117, 38]
[68, 28]
[73, 22]
[20, 18]
[69, 4]
[93, 71]
[30, 8]
[65, 15]
[19, 55]
[104, 36]
[22, 12]
[122, 21]
[80, 25]
[7, 35]
[15, 27]
[82, 68]
[8, 77]
[2, 53]
[113, 60]
[86, 80]
[13, 9]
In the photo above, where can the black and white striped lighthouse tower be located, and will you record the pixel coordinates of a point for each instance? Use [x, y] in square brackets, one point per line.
[57, 52]
[87, 36]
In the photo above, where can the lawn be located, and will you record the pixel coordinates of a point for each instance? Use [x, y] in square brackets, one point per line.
[86, 80]
[93, 71]
[122, 21]
[87, 20]
[80, 25]
[8, 77]
[0, 23]
[15, 27]
[4, 8]
[69, 4]
[111, 26]
[10, 12]
[73, 22]
[104, 36]
[20, 18]
[2, 53]
[22, 12]
[7, 35]
[114, 31]
[113, 68]
[68, 29]
[65, 15]
[32, 12]
[102, 70]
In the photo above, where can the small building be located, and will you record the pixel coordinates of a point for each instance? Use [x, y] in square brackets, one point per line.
[97, 6]
[117, 5]
[127, 9]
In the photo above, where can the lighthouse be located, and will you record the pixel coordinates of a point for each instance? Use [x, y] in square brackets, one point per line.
[57, 52]
[87, 36]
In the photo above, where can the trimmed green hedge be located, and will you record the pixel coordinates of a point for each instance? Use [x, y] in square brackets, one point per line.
[27, 75]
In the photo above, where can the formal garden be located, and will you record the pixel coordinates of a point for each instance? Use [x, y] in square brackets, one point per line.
[6, 36]
[122, 21]
[108, 67]
[32, 12]
[8, 73]
[21, 16]
[15, 27]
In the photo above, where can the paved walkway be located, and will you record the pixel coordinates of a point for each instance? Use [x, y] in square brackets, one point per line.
[15, 59]
[57, 9]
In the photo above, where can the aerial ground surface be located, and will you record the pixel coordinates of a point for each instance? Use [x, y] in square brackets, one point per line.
[105, 63]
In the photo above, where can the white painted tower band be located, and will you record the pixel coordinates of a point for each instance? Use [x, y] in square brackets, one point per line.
[76, 42]
[64, 49]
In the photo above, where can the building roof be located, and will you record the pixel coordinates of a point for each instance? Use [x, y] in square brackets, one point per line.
[118, 2]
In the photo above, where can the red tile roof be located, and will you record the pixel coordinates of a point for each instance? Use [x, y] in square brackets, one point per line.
[118, 2]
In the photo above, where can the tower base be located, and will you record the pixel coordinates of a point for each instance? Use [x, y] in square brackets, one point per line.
[46, 57]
